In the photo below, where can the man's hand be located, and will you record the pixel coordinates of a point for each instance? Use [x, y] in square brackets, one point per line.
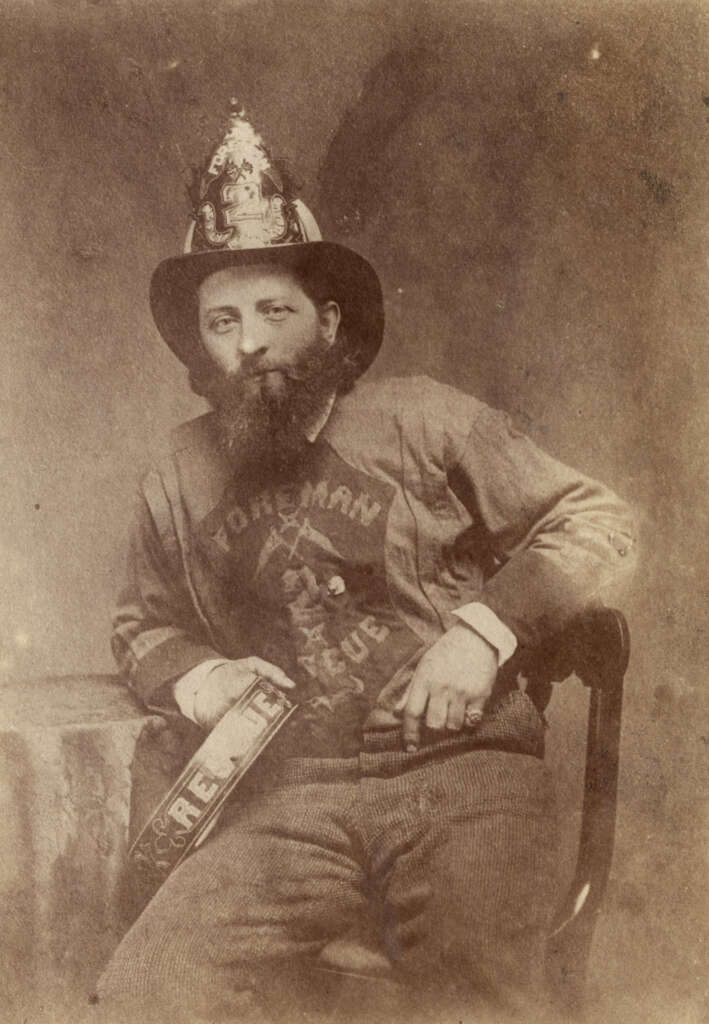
[456, 674]
[226, 683]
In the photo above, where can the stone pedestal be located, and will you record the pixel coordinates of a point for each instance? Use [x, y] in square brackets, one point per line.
[67, 748]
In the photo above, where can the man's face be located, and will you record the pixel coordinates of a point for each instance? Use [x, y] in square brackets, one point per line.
[258, 326]
[272, 360]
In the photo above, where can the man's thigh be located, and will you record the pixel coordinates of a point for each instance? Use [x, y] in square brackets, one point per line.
[468, 878]
[275, 882]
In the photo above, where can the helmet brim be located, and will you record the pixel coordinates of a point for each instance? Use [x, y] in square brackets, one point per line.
[349, 279]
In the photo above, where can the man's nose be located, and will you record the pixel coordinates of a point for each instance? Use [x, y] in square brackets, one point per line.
[253, 338]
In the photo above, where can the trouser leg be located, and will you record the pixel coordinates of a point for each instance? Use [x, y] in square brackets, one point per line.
[459, 858]
[466, 864]
[270, 886]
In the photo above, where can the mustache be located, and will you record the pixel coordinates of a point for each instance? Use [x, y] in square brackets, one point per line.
[303, 371]
[290, 372]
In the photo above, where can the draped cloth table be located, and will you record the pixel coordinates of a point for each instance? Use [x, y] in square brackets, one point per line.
[67, 749]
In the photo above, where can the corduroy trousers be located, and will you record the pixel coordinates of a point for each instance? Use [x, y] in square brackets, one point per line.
[447, 856]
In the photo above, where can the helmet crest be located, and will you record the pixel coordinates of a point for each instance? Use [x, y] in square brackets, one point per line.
[240, 199]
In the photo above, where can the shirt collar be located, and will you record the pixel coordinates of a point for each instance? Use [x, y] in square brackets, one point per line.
[315, 429]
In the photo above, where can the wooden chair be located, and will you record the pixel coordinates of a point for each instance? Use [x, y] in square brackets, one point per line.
[595, 648]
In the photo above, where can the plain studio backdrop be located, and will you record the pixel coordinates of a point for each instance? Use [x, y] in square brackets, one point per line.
[531, 182]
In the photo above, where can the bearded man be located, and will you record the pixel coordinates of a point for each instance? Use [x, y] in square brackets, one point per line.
[377, 551]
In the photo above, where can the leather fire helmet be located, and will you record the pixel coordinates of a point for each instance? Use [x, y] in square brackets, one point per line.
[245, 210]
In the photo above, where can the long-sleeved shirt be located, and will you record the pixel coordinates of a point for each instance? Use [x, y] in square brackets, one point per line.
[414, 502]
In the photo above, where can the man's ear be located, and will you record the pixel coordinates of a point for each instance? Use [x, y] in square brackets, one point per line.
[329, 320]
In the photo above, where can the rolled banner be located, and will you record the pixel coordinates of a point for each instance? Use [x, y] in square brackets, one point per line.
[190, 809]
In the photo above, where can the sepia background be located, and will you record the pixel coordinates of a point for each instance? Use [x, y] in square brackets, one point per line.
[530, 179]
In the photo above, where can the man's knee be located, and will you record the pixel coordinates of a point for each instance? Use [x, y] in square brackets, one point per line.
[164, 961]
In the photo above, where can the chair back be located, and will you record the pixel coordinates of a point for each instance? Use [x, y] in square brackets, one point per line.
[596, 649]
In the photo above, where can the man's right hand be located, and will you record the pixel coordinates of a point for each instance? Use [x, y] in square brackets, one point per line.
[226, 682]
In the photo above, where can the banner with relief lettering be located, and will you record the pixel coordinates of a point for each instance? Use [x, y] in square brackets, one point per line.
[191, 807]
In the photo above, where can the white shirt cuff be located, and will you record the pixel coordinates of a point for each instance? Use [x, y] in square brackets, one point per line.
[484, 621]
[186, 687]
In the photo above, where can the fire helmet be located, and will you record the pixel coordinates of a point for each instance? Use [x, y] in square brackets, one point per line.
[245, 211]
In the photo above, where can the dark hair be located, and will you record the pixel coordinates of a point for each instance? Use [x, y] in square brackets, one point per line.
[319, 289]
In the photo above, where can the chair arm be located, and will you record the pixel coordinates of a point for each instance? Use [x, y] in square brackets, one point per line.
[596, 648]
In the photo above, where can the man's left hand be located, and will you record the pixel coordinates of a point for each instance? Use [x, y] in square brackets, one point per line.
[455, 675]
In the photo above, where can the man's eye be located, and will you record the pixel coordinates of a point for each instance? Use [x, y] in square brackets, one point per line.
[278, 312]
[220, 324]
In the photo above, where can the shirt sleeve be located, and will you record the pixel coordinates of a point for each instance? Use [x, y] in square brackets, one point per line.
[187, 686]
[560, 541]
[157, 635]
[484, 621]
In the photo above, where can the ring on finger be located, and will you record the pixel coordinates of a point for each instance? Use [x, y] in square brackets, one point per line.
[473, 717]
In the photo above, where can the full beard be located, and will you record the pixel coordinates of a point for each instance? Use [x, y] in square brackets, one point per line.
[263, 417]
